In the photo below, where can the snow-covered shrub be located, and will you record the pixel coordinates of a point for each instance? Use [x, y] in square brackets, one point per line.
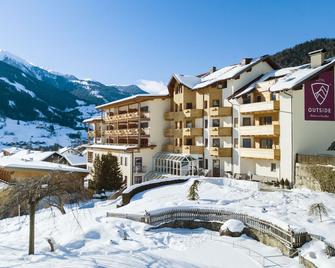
[234, 228]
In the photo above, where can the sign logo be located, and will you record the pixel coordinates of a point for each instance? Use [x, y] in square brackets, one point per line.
[320, 97]
[320, 92]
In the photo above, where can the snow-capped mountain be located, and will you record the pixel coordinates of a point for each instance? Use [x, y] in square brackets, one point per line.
[31, 93]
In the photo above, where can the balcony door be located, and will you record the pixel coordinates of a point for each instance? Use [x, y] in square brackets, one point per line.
[216, 168]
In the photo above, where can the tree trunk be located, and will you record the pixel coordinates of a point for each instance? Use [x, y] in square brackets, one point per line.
[32, 208]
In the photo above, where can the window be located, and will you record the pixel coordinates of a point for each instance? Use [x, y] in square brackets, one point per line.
[89, 157]
[176, 107]
[216, 103]
[246, 143]
[205, 104]
[180, 107]
[215, 122]
[176, 142]
[126, 161]
[273, 167]
[273, 96]
[206, 163]
[258, 98]
[246, 121]
[216, 143]
[144, 125]
[206, 123]
[206, 142]
[246, 99]
[201, 162]
[265, 120]
[121, 160]
[188, 142]
[188, 124]
[189, 105]
[138, 179]
[145, 109]
[266, 143]
[236, 122]
[235, 142]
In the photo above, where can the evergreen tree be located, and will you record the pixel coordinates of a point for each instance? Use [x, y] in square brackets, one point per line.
[193, 191]
[106, 173]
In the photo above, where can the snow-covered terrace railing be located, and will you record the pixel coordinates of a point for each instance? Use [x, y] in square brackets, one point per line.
[288, 237]
[137, 188]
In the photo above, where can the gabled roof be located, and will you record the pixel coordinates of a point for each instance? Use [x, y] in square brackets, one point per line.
[195, 82]
[132, 99]
[286, 78]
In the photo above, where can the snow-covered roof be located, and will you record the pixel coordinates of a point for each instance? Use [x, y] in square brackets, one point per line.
[137, 98]
[11, 150]
[228, 72]
[75, 159]
[286, 78]
[299, 75]
[10, 162]
[114, 147]
[92, 119]
[31, 155]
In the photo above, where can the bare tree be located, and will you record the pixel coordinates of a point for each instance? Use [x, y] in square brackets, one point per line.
[53, 189]
[318, 209]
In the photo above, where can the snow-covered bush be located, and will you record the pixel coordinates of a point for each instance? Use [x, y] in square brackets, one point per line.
[232, 228]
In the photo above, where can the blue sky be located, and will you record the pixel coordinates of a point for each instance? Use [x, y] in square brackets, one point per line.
[125, 41]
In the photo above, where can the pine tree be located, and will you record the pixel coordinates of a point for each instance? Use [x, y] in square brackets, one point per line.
[193, 191]
[106, 173]
[318, 209]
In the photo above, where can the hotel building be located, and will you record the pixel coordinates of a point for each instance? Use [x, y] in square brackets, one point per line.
[130, 129]
[247, 120]
[200, 116]
[282, 114]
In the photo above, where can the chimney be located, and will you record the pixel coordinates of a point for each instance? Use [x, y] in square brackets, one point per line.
[245, 61]
[317, 57]
[212, 69]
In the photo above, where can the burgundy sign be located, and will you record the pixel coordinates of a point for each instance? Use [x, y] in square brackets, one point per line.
[319, 97]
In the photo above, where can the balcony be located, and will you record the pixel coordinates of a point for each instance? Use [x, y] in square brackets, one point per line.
[263, 130]
[220, 152]
[169, 116]
[168, 132]
[259, 153]
[191, 113]
[192, 149]
[221, 131]
[189, 132]
[220, 111]
[168, 148]
[260, 107]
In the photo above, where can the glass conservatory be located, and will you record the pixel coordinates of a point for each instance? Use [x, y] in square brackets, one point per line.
[175, 164]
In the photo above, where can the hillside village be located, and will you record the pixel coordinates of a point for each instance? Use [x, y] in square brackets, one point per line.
[237, 159]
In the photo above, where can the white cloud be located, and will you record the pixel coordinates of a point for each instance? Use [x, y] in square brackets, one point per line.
[153, 86]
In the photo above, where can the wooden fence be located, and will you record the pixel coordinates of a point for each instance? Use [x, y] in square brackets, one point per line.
[289, 238]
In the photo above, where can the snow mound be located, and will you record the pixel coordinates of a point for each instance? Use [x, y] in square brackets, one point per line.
[234, 226]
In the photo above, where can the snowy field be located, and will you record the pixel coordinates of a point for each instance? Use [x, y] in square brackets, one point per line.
[85, 237]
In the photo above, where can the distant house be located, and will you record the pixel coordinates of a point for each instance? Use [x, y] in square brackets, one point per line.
[21, 169]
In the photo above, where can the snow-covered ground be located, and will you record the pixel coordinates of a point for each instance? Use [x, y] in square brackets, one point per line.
[38, 133]
[85, 237]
